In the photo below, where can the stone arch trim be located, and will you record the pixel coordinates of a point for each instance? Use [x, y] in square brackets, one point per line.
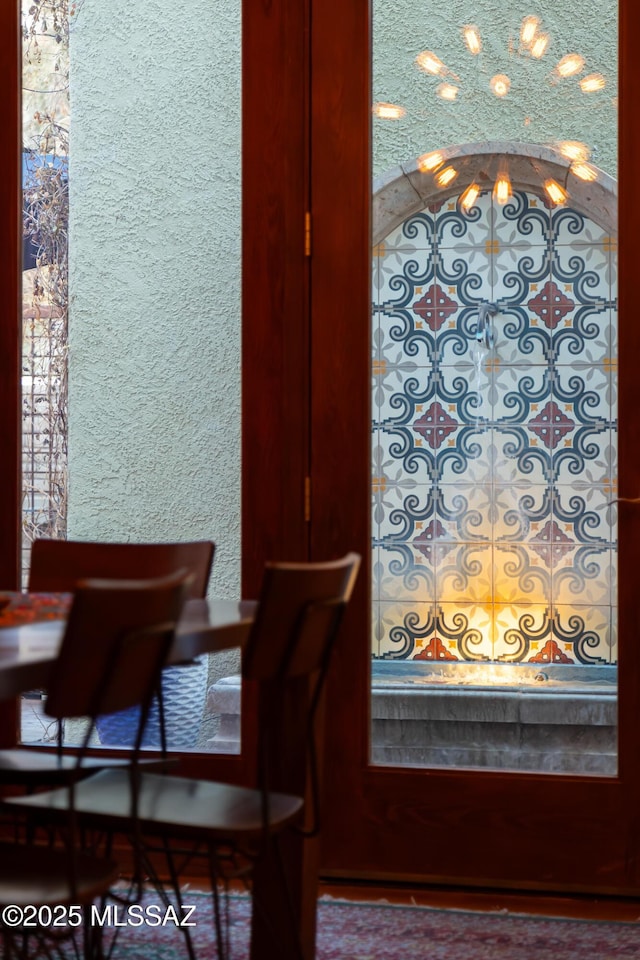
[405, 190]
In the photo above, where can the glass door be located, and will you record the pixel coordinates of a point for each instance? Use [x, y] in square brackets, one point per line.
[493, 701]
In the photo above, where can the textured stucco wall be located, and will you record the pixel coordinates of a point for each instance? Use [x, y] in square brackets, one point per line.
[537, 109]
[154, 365]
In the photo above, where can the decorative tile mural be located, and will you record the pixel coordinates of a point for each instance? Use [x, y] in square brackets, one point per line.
[494, 436]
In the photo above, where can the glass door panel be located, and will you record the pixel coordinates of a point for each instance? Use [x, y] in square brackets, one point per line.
[494, 404]
[131, 289]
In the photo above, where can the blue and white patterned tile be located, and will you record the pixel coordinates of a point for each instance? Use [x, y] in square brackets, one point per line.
[465, 274]
[584, 392]
[400, 628]
[523, 221]
[465, 630]
[412, 463]
[416, 233]
[404, 573]
[582, 516]
[594, 460]
[519, 511]
[470, 462]
[521, 631]
[406, 509]
[463, 572]
[517, 393]
[463, 230]
[464, 512]
[518, 338]
[583, 575]
[586, 337]
[571, 228]
[583, 273]
[583, 633]
[519, 576]
[612, 639]
[519, 459]
[401, 340]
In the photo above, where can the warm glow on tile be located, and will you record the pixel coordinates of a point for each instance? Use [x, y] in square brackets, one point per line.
[446, 176]
[584, 171]
[469, 197]
[539, 45]
[502, 189]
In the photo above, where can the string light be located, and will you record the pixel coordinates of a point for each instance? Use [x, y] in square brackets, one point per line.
[502, 189]
[595, 81]
[428, 62]
[469, 197]
[447, 91]
[500, 84]
[539, 45]
[555, 192]
[388, 111]
[446, 176]
[574, 150]
[429, 162]
[571, 64]
[584, 171]
[528, 30]
[472, 39]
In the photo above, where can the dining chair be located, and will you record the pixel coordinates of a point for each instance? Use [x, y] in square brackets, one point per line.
[287, 654]
[133, 623]
[57, 566]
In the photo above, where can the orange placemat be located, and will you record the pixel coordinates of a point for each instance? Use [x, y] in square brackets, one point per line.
[17, 609]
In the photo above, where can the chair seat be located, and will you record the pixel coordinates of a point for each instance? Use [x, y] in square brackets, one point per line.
[178, 806]
[47, 768]
[39, 876]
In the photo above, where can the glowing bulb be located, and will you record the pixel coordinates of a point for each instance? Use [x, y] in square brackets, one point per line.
[388, 111]
[528, 30]
[502, 189]
[574, 150]
[584, 171]
[569, 65]
[555, 192]
[472, 39]
[595, 81]
[446, 176]
[446, 91]
[539, 45]
[469, 197]
[500, 84]
[428, 62]
[430, 161]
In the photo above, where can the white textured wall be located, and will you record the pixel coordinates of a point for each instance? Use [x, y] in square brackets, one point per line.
[154, 416]
[536, 109]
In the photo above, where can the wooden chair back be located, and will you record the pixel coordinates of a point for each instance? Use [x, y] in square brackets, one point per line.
[117, 639]
[58, 565]
[299, 611]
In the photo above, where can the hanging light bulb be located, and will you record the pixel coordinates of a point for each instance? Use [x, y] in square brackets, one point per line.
[429, 162]
[595, 81]
[555, 192]
[574, 150]
[584, 171]
[500, 84]
[539, 45]
[446, 176]
[469, 197]
[571, 64]
[447, 91]
[428, 62]
[472, 39]
[502, 189]
[388, 111]
[528, 30]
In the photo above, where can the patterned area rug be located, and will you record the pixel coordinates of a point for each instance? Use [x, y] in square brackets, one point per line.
[378, 931]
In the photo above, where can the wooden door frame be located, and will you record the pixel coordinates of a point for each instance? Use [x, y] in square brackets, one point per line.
[477, 827]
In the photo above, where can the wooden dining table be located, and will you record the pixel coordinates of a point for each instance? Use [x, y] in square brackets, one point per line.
[31, 630]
